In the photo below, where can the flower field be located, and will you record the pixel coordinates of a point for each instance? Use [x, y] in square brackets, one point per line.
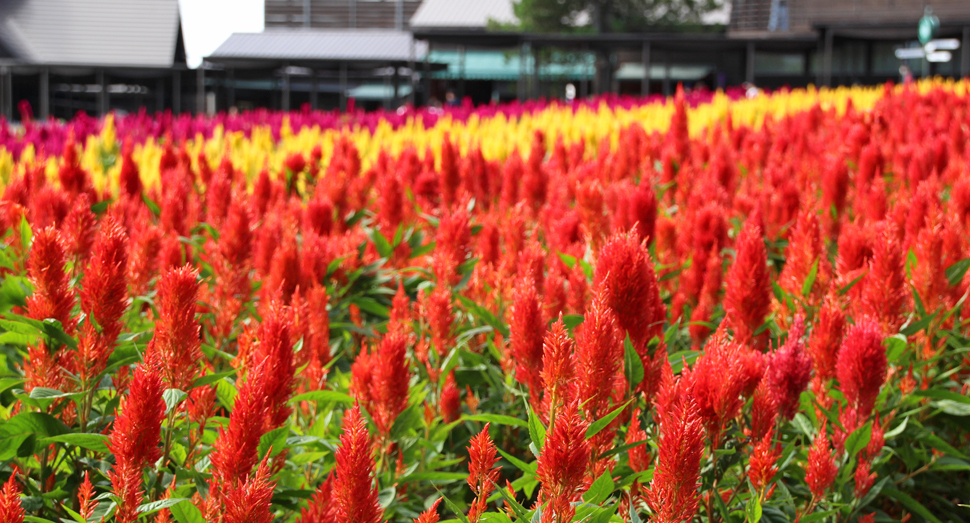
[707, 308]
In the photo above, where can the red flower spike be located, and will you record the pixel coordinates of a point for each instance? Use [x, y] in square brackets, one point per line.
[764, 412]
[389, 386]
[885, 291]
[747, 295]
[639, 458]
[526, 336]
[85, 493]
[134, 439]
[761, 468]
[53, 296]
[672, 495]
[599, 360]
[861, 369]
[557, 367]
[789, 371]
[430, 515]
[482, 472]
[626, 279]
[826, 338]
[717, 382]
[176, 341]
[353, 488]
[562, 465]
[863, 478]
[321, 508]
[249, 502]
[821, 469]
[234, 451]
[450, 399]
[10, 508]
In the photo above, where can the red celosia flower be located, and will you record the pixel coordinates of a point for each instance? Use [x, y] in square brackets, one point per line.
[826, 338]
[877, 440]
[430, 515]
[450, 177]
[625, 277]
[234, 451]
[639, 458]
[482, 472]
[747, 295]
[274, 369]
[861, 370]
[249, 500]
[10, 509]
[129, 179]
[805, 250]
[134, 439]
[885, 284]
[440, 316]
[320, 508]
[353, 488]
[673, 492]
[557, 368]
[717, 382]
[762, 464]
[53, 296]
[599, 358]
[452, 245]
[79, 228]
[389, 386]
[104, 298]
[85, 493]
[863, 478]
[562, 465]
[526, 336]
[176, 339]
[764, 411]
[789, 371]
[821, 469]
[450, 399]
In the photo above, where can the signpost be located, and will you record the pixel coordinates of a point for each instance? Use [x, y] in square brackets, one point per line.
[930, 50]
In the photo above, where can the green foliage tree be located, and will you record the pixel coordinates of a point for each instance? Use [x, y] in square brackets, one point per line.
[610, 16]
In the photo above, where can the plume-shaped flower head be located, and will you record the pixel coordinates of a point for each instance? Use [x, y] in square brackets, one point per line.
[353, 488]
[562, 465]
[862, 369]
[747, 293]
[821, 468]
[789, 371]
[625, 276]
[10, 509]
[176, 339]
[482, 472]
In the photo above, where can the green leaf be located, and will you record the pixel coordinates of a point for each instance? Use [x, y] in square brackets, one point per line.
[38, 423]
[955, 272]
[602, 515]
[600, 489]
[172, 398]
[520, 512]
[484, 315]
[92, 442]
[806, 288]
[752, 511]
[537, 431]
[209, 379]
[632, 365]
[603, 422]
[155, 506]
[518, 463]
[440, 477]
[858, 440]
[186, 513]
[274, 440]
[455, 508]
[384, 248]
[917, 326]
[911, 504]
[939, 394]
[26, 235]
[818, 516]
[370, 305]
[848, 286]
[937, 443]
[953, 408]
[43, 393]
[323, 395]
[498, 419]
[571, 321]
[386, 496]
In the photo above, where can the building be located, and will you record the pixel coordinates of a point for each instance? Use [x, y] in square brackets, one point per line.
[64, 56]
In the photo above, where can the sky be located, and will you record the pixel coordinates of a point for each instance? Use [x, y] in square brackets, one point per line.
[207, 23]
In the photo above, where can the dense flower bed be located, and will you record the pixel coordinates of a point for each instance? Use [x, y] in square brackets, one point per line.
[711, 308]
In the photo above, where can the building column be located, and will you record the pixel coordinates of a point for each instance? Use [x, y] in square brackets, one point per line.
[645, 58]
[285, 103]
[965, 53]
[231, 88]
[461, 72]
[343, 86]
[103, 95]
[160, 94]
[200, 89]
[520, 84]
[749, 63]
[584, 81]
[314, 89]
[45, 93]
[5, 87]
[536, 83]
[426, 79]
[396, 80]
[666, 75]
[176, 91]
[827, 58]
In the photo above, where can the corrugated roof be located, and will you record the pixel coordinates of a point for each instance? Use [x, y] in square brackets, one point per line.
[376, 45]
[135, 33]
[462, 13]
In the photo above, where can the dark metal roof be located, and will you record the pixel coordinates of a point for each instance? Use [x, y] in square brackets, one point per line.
[91, 33]
[364, 48]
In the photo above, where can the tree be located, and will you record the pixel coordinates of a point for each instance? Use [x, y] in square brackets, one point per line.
[610, 16]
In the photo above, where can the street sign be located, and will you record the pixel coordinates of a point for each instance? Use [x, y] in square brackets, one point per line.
[910, 53]
[928, 25]
[942, 44]
[939, 56]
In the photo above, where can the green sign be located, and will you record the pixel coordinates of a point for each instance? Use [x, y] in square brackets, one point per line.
[928, 25]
